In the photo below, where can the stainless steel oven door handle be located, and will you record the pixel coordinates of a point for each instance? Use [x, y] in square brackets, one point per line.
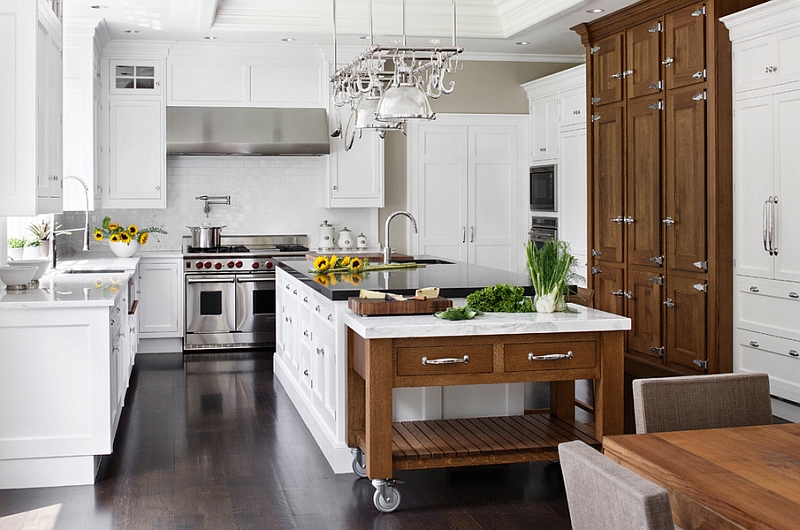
[252, 280]
[222, 279]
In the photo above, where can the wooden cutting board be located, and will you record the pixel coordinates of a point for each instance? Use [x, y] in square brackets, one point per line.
[373, 307]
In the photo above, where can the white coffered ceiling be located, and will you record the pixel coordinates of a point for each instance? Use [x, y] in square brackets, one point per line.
[483, 26]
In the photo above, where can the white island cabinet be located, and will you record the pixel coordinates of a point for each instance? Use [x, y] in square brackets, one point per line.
[67, 353]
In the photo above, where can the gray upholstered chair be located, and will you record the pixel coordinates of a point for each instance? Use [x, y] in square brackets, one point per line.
[603, 495]
[701, 402]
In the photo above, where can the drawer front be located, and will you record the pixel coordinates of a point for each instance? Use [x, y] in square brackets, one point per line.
[549, 356]
[444, 360]
[770, 307]
[780, 358]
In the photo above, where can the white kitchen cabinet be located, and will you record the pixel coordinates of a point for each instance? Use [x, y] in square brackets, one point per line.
[30, 103]
[137, 171]
[82, 117]
[543, 113]
[355, 177]
[571, 177]
[466, 176]
[131, 76]
[161, 302]
[766, 178]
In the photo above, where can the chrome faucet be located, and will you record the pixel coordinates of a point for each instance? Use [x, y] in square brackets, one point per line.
[85, 229]
[387, 250]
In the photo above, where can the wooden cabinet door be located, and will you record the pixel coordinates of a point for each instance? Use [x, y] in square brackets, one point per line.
[686, 317]
[643, 208]
[644, 310]
[608, 282]
[607, 70]
[685, 178]
[609, 182]
[643, 59]
[685, 49]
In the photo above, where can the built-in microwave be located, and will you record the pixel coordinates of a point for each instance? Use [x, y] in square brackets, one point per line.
[543, 189]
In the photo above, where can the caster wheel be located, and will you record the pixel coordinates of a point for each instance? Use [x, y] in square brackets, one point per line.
[390, 502]
[360, 464]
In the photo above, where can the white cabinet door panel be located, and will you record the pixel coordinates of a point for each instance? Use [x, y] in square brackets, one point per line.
[767, 61]
[753, 164]
[204, 82]
[161, 301]
[787, 185]
[572, 190]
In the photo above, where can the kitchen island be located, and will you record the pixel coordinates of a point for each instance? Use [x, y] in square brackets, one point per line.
[67, 352]
[315, 328]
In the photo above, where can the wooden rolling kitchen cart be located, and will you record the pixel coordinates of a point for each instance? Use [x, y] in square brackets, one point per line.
[384, 353]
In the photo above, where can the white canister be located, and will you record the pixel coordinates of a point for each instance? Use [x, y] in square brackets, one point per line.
[346, 239]
[325, 236]
[361, 241]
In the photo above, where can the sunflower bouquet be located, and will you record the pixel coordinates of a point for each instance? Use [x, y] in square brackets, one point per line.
[338, 264]
[116, 233]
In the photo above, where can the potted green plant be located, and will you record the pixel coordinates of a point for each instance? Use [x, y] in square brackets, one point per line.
[42, 231]
[551, 269]
[15, 248]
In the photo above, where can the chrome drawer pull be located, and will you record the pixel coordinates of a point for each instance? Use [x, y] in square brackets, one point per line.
[550, 357]
[793, 295]
[446, 360]
[794, 353]
[754, 289]
[754, 344]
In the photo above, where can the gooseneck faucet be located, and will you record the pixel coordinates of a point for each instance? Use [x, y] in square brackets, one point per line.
[86, 232]
[387, 250]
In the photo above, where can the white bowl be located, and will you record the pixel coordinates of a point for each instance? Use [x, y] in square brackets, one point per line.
[16, 277]
[40, 264]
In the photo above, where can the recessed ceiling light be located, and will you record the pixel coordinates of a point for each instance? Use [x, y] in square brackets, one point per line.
[596, 10]
[131, 31]
[210, 37]
[289, 39]
[523, 43]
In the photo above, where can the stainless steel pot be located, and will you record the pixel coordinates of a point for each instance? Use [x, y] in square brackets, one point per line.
[206, 236]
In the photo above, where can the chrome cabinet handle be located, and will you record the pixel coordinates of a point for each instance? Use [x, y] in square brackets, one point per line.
[794, 295]
[471, 234]
[668, 61]
[330, 317]
[446, 360]
[317, 309]
[794, 353]
[550, 357]
[669, 303]
[754, 344]
[320, 351]
[764, 222]
[754, 289]
[463, 234]
[669, 221]
[618, 219]
[305, 299]
[773, 250]
[618, 75]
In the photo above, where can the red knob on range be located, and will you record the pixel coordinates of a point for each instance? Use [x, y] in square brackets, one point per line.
[268, 264]
[255, 264]
[199, 264]
[239, 264]
[230, 264]
[218, 265]
[208, 264]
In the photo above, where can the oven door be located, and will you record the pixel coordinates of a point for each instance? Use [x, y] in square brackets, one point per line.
[255, 305]
[210, 303]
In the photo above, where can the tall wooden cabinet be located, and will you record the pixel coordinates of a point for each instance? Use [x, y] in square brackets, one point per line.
[659, 208]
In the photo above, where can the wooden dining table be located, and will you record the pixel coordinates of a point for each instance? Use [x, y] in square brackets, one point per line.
[742, 477]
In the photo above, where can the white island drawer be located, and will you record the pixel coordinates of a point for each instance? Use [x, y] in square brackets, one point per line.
[780, 358]
[768, 306]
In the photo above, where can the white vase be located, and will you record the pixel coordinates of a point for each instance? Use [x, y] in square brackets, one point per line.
[30, 253]
[123, 250]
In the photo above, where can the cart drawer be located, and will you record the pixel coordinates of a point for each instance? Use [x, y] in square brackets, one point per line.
[441, 360]
[549, 356]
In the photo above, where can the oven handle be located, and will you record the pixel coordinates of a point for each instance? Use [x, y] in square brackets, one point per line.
[257, 279]
[190, 279]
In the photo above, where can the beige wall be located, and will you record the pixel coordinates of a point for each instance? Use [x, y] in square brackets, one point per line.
[481, 88]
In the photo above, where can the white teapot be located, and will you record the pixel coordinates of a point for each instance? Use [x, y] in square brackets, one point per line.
[346, 239]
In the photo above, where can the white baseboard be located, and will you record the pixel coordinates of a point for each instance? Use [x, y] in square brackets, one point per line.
[171, 345]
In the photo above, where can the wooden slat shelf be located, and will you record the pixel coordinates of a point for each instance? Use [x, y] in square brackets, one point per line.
[478, 441]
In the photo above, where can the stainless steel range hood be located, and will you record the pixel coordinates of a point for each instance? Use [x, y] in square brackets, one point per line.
[247, 131]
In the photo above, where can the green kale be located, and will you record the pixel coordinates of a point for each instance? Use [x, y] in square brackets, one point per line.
[501, 298]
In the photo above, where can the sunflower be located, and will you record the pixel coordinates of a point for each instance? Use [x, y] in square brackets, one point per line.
[345, 261]
[114, 238]
[133, 229]
[355, 279]
[334, 261]
[98, 235]
[322, 279]
[322, 263]
[113, 226]
[143, 238]
[116, 233]
[356, 264]
[124, 237]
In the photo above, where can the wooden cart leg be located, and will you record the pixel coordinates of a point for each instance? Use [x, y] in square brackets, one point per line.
[378, 416]
[355, 396]
[608, 394]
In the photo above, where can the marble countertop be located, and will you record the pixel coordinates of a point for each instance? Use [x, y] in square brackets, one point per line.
[384, 327]
[57, 289]
[455, 280]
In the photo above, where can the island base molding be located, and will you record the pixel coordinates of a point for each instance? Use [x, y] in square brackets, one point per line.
[49, 472]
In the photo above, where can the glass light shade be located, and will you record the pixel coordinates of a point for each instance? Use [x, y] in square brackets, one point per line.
[400, 103]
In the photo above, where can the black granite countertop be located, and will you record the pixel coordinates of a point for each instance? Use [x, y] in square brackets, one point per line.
[455, 280]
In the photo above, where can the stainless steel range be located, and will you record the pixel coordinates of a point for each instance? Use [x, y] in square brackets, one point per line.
[230, 290]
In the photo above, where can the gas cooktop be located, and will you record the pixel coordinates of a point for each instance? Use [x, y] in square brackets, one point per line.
[261, 245]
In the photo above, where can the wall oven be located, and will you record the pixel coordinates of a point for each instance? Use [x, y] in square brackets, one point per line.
[544, 189]
[230, 291]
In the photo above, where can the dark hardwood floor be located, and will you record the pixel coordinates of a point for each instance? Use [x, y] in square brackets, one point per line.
[214, 443]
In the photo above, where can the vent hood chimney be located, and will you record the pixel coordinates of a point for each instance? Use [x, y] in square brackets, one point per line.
[247, 131]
